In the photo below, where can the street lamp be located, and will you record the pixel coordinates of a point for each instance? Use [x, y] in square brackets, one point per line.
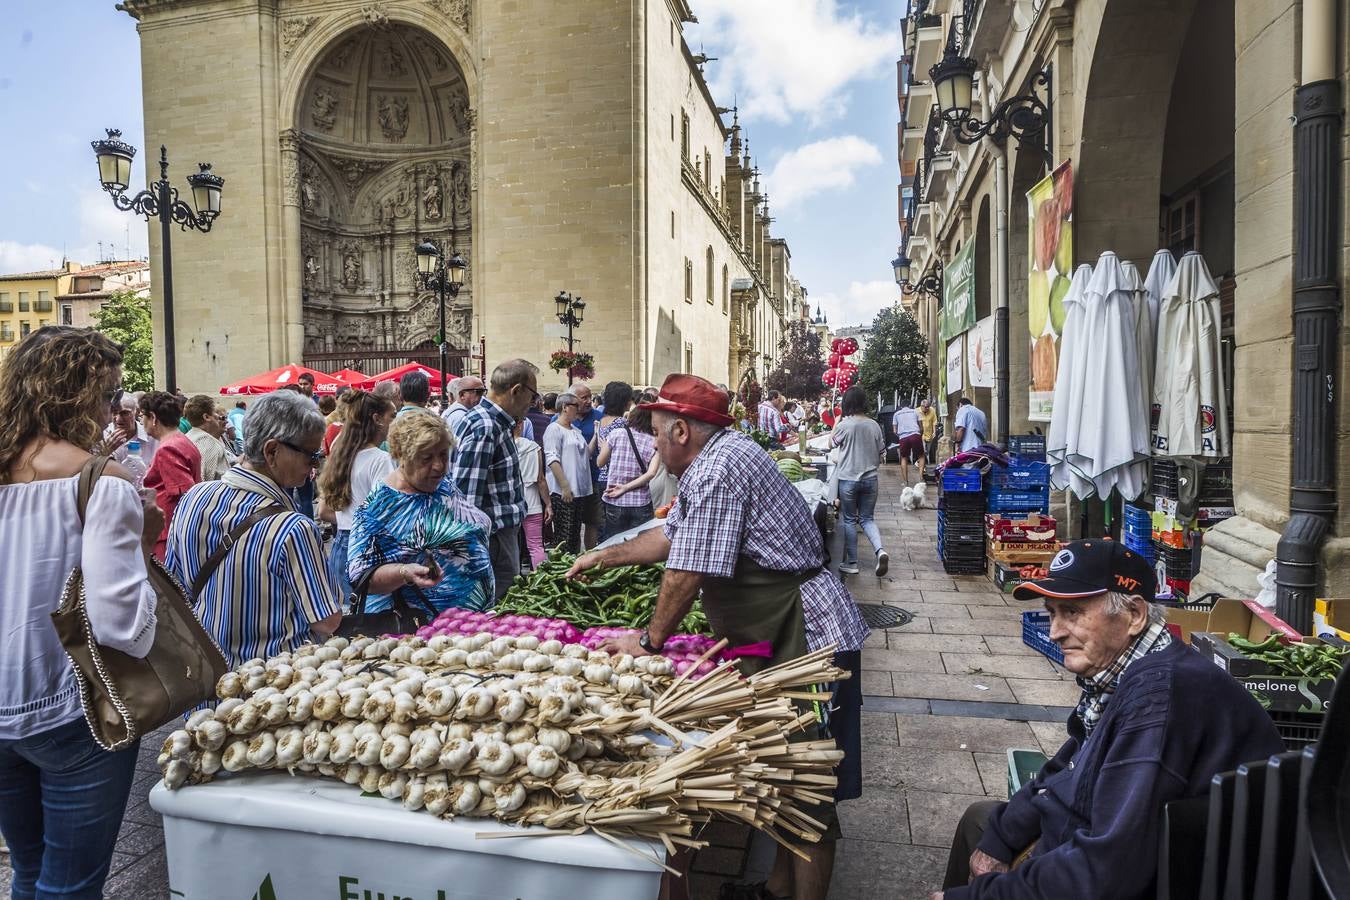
[160, 201]
[446, 276]
[928, 284]
[1024, 117]
[571, 312]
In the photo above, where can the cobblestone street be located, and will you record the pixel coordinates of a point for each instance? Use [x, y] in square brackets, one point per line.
[945, 697]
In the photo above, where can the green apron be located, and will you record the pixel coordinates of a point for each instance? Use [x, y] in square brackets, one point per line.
[758, 604]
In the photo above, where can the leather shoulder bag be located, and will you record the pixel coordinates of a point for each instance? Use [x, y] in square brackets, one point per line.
[125, 697]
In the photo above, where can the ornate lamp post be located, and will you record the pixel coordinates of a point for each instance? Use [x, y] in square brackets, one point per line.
[571, 312]
[928, 284]
[160, 201]
[1024, 116]
[446, 276]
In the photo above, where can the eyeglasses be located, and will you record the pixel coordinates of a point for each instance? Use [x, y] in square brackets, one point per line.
[114, 396]
[314, 457]
[474, 391]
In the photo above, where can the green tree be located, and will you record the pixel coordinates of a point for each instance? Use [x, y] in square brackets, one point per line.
[125, 317]
[800, 363]
[896, 358]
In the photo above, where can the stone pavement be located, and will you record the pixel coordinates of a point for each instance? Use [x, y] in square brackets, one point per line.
[945, 697]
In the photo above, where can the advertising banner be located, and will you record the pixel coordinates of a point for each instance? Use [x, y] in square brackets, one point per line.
[1049, 270]
[980, 354]
[955, 368]
[958, 293]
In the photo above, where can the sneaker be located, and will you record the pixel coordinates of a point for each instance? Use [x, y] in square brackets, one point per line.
[883, 563]
[848, 568]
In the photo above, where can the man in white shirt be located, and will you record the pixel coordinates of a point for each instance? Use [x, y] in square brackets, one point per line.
[468, 392]
[909, 440]
[125, 427]
[972, 428]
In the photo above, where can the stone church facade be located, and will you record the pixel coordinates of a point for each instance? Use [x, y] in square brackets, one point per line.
[556, 146]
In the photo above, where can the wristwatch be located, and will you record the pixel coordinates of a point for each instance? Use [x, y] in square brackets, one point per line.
[645, 642]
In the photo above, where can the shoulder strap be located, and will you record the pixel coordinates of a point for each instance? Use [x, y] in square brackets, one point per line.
[636, 455]
[218, 556]
[90, 473]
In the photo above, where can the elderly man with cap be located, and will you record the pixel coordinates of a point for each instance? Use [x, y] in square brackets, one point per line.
[1155, 722]
[740, 533]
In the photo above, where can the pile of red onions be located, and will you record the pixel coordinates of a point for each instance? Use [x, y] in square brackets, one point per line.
[464, 621]
[683, 650]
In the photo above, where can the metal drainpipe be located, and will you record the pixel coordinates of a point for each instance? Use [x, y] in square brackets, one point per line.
[1317, 318]
[1001, 376]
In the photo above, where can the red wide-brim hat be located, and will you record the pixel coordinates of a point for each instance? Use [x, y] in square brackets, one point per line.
[693, 398]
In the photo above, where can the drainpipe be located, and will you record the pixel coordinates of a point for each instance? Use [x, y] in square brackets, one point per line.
[1317, 318]
[1001, 379]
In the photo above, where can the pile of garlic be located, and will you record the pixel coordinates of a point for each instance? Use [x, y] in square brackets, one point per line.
[526, 731]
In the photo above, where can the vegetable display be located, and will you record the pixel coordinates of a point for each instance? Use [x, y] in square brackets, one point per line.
[530, 732]
[623, 596]
[1300, 660]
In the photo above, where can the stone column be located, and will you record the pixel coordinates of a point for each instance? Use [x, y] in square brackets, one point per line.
[293, 317]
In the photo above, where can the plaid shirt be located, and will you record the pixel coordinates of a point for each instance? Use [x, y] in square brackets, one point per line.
[1097, 689]
[487, 470]
[734, 502]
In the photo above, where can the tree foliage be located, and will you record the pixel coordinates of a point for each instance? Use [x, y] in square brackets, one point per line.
[896, 358]
[801, 363]
[125, 317]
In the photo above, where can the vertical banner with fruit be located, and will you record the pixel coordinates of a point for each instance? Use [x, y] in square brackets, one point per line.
[1050, 239]
[980, 354]
[958, 293]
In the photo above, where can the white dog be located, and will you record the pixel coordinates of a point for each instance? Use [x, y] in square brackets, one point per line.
[915, 497]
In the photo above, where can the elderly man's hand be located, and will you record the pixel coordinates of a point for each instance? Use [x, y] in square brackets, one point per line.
[936, 895]
[982, 863]
[584, 563]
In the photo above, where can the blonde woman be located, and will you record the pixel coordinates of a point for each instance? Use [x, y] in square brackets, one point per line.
[416, 530]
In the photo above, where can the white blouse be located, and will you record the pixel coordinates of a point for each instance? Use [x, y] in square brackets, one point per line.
[40, 543]
[567, 446]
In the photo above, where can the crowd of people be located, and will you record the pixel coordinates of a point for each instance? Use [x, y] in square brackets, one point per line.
[435, 510]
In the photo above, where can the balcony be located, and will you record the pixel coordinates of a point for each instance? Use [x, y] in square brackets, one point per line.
[912, 145]
[943, 164]
[927, 44]
[42, 306]
[987, 24]
[922, 218]
[6, 336]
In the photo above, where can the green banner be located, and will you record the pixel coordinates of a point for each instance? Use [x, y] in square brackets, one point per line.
[958, 293]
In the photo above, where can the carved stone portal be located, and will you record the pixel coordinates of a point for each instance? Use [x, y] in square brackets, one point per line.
[374, 179]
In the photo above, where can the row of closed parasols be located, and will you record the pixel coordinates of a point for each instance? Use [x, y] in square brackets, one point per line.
[1140, 373]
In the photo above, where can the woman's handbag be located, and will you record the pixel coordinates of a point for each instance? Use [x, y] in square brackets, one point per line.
[401, 617]
[125, 697]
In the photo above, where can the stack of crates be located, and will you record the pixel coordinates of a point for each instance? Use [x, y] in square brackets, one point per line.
[1020, 488]
[1176, 542]
[961, 522]
[1136, 532]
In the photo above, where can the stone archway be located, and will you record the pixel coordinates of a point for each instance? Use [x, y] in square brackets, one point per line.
[382, 137]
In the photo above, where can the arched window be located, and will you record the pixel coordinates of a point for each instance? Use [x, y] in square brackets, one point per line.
[726, 291]
[709, 274]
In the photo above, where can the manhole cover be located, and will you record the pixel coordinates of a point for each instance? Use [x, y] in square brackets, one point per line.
[879, 616]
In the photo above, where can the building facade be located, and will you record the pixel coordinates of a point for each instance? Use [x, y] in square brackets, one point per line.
[27, 301]
[576, 148]
[91, 286]
[1176, 120]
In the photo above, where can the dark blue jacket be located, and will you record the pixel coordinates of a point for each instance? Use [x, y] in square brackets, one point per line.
[1095, 810]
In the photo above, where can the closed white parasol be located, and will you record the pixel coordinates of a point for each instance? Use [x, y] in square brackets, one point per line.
[1189, 387]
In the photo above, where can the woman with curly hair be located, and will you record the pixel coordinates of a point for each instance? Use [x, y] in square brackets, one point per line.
[355, 465]
[61, 795]
[177, 465]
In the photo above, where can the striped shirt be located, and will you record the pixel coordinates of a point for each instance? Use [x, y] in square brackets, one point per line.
[734, 502]
[272, 585]
[769, 419]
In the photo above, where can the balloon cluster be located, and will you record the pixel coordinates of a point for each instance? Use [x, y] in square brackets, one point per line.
[842, 373]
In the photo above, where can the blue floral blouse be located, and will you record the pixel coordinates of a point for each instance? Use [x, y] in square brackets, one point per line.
[397, 527]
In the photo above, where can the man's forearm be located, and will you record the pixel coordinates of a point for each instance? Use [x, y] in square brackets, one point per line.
[679, 589]
[651, 546]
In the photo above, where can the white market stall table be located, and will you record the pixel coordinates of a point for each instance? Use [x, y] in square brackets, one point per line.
[316, 837]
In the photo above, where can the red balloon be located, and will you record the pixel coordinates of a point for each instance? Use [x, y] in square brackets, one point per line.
[835, 360]
[848, 346]
[836, 345]
[829, 377]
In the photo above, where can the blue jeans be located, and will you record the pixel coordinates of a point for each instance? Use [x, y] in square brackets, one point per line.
[61, 802]
[337, 562]
[857, 501]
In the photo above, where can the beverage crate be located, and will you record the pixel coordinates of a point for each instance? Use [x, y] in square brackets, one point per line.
[1179, 564]
[1216, 486]
[960, 567]
[962, 480]
[1036, 635]
[1021, 476]
[1022, 502]
[1027, 447]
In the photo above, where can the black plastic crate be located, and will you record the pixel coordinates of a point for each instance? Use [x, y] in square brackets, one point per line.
[1297, 729]
[1181, 563]
[1216, 485]
[962, 502]
[962, 568]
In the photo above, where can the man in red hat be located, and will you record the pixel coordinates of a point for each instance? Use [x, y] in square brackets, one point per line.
[741, 534]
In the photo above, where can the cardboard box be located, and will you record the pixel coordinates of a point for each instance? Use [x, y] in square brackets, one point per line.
[1022, 554]
[1006, 577]
[1246, 617]
[1331, 618]
[1288, 693]
[1033, 527]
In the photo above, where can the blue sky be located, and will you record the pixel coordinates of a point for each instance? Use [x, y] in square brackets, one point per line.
[814, 79]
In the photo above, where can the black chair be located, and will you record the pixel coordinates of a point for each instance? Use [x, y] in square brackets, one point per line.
[1279, 826]
[1215, 865]
[1329, 795]
[1244, 836]
[1183, 829]
[1303, 881]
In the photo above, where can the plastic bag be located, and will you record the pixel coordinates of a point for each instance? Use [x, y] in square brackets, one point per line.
[1266, 579]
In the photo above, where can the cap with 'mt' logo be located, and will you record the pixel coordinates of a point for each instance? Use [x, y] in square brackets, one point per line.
[1087, 568]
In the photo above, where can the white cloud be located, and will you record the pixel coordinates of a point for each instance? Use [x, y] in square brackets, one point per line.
[100, 231]
[786, 59]
[16, 257]
[821, 166]
[860, 303]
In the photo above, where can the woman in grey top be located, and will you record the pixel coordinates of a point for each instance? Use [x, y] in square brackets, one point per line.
[861, 446]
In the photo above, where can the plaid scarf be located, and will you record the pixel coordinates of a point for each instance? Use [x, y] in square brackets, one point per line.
[1097, 689]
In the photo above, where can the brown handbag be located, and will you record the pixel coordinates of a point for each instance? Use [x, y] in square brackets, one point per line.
[125, 697]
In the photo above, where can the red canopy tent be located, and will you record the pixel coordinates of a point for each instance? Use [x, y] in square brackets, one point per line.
[276, 379]
[395, 374]
[351, 377]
